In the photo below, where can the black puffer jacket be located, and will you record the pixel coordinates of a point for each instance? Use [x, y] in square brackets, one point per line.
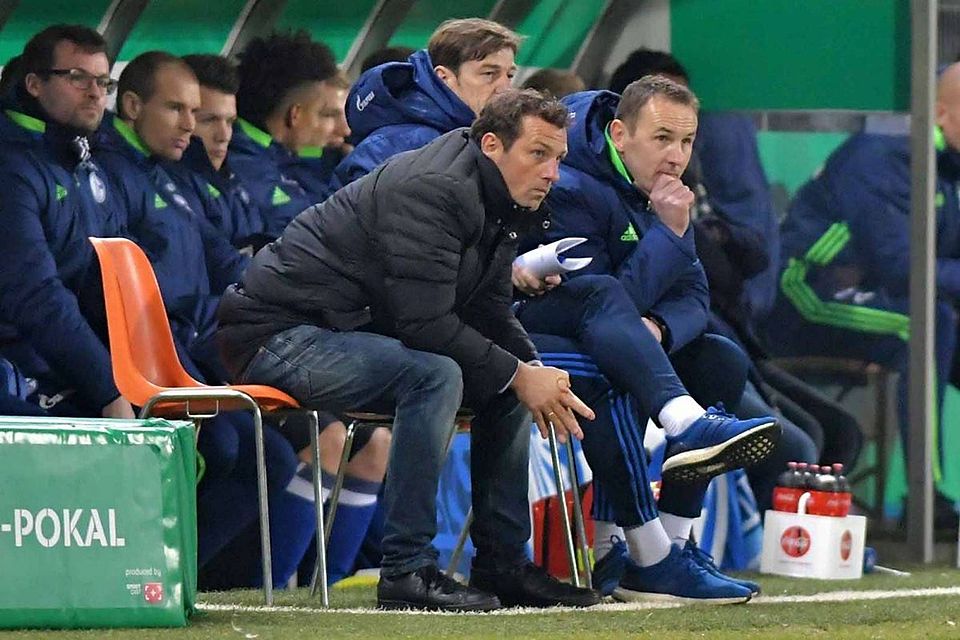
[420, 249]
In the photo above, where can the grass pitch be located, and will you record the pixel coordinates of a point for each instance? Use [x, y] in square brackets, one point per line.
[924, 605]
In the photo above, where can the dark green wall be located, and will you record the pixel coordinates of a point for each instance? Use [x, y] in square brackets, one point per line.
[34, 15]
[335, 23]
[181, 27]
[795, 54]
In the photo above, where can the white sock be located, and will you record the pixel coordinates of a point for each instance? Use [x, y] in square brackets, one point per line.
[648, 543]
[677, 527]
[678, 414]
[602, 534]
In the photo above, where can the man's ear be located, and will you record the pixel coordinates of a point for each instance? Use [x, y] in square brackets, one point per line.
[446, 76]
[294, 112]
[32, 84]
[939, 112]
[491, 144]
[132, 105]
[618, 132]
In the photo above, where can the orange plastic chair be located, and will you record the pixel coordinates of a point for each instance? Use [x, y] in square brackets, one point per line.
[148, 373]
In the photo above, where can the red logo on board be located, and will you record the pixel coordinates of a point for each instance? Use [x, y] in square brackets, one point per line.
[846, 545]
[795, 541]
[153, 592]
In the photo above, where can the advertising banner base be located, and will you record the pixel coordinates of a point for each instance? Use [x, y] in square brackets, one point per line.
[97, 523]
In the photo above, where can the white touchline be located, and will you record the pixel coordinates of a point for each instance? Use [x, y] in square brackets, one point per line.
[830, 596]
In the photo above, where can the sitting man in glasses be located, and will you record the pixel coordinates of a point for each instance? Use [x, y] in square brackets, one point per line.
[54, 196]
[83, 80]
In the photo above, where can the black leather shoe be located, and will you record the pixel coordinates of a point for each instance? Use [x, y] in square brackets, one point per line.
[429, 589]
[530, 586]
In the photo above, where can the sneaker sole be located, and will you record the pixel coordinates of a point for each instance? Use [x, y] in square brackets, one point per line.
[400, 605]
[626, 595]
[746, 449]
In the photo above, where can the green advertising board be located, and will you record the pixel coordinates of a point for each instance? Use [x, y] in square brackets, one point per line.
[97, 523]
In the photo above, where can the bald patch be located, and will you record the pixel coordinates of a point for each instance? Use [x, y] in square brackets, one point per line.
[948, 85]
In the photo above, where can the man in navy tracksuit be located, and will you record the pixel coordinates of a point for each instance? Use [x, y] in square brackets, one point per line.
[645, 293]
[312, 165]
[203, 173]
[737, 236]
[290, 102]
[54, 196]
[846, 256]
[194, 263]
[402, 106]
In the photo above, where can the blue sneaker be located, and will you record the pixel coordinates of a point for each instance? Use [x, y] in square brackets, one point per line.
[705, 560]
[718, 442]
[677, 578]
[608, 570]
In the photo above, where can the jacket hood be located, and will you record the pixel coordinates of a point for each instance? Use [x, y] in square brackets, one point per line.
[117, 136]
[28, 121]
[17, 126]
[404, 93]
[250, 141]
[590, 112]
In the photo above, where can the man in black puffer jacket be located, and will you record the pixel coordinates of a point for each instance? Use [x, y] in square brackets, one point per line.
[394, 295]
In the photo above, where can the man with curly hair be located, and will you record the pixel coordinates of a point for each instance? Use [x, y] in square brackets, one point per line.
[290, 103]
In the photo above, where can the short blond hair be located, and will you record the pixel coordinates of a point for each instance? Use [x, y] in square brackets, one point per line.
[639, 92]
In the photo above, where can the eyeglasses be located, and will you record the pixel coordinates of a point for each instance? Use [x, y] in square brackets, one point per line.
[80, 79]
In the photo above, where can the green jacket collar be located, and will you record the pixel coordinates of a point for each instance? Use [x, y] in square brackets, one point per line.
[939, 140]
[615, 158]
[310, 152]
[27, 122]
[256, 134]
[128, 134]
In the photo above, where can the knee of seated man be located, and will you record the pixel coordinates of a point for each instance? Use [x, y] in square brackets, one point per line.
[599, 287]
[370, 462]
[725, 362]
[435, 370]
[721, 350]
[332, 439]
[219, 444]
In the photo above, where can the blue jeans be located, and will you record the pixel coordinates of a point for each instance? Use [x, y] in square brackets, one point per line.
[342, 371]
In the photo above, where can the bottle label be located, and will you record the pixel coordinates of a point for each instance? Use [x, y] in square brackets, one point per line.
[786, 498]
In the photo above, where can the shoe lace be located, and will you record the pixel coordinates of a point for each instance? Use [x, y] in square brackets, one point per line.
[434, 578]
[616, 557]
[701, 557]
[542, 576]
[720, 410]
[693, 564]
[617, 544]
[612, 565]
